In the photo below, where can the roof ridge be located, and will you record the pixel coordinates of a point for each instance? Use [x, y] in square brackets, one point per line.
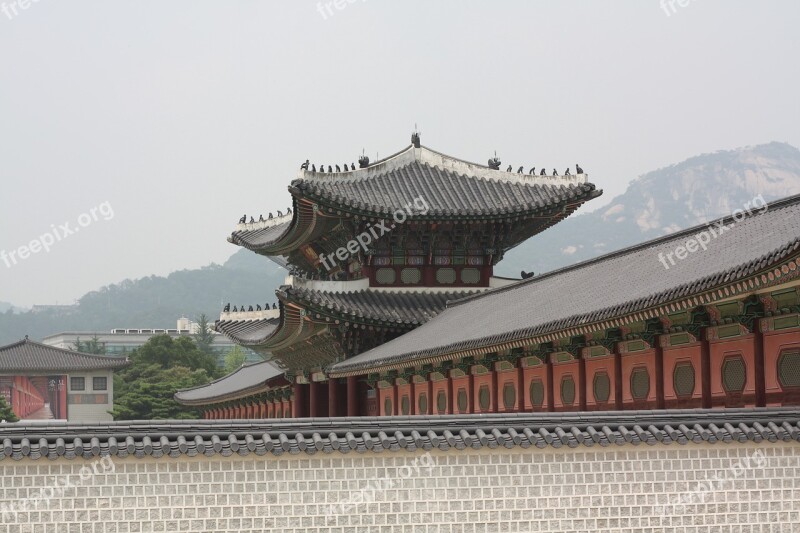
[242, 367]
[62, 350]
[777, 204]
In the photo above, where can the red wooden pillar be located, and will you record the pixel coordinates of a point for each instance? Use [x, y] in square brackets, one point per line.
[298, 393]
[313, 398]
[352, 396]
[659, 355]
[758, 355]
[333, 401]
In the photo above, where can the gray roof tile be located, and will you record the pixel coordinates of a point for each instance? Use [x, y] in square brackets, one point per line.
[610, 286]
[173, 438]
[30, 356]
[248, 379]
[447, 192]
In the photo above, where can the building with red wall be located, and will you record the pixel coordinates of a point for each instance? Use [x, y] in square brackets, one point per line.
[701, 318]
[41, 381]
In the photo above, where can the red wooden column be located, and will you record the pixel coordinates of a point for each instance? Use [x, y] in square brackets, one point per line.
[333, 400]
[313, 399]
[705, 361]
[298, 410]
[352, 396]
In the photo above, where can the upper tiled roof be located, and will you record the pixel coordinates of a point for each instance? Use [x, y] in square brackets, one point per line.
[448, 188]
[446, 192]
[385, 306]
[618, 284]
[173, 438]
[246, 380]
[30, 356]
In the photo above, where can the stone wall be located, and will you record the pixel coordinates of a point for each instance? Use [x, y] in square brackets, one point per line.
[691, 488]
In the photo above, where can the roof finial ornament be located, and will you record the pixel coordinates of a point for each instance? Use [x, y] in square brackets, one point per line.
[227, 308]
[510, 169]
[363, 161]
[532, 172]
[415, 137]
[243, 219]
[526, 275]
[520, 170]
[566, 172]
[494, 163]
[578, 169]
[555, 172]
[338, 168]
[304, 166]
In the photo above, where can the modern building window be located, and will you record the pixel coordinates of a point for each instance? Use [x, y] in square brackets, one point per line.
[76, 383]
[100, 383]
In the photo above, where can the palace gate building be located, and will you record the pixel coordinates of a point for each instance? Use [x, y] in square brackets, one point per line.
[414, 322]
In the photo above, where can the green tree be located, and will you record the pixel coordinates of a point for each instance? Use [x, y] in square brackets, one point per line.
[6, 413]
[234, 359]
[204, 337]
[145, 390]
[93, 346]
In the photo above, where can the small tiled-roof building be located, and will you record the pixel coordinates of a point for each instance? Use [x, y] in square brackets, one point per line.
[41, 381]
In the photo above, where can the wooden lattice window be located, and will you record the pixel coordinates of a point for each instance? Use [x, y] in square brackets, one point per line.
[567, 390]
[462, 400]
[422, 404]
[601, 387]
[683, 379]
[640, 383]
[509, 396]
[441, 402]
[537, 393]
[405, 405]
[734, 374]
[387, 406]
[789, 369]
[483, 398]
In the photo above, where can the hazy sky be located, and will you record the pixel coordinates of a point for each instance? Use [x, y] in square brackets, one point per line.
[180, 116]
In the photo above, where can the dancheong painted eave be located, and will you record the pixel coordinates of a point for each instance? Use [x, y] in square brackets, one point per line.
[761, 249]
[451, 189]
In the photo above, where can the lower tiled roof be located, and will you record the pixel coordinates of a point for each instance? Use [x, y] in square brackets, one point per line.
[174, 438]
[246, 380]
[385, 306]
[31, 356]
[629, 281]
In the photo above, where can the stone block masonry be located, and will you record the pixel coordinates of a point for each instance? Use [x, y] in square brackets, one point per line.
[624, 488]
